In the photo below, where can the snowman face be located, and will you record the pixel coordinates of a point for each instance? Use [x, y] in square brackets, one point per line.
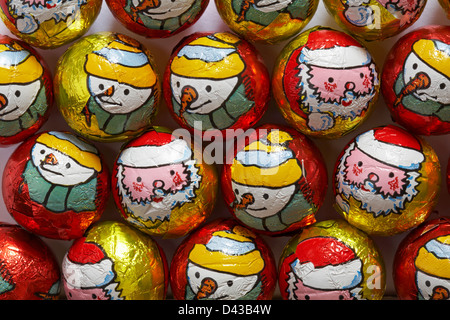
[263, 202]
[438, 88]
[115, 97]
[432, 288]
[272, 5]
[165, 10]
[201, 96]
[58, 168]
[221, 286]
[15, 99]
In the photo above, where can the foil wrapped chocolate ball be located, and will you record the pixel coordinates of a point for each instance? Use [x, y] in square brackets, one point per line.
[325, 83]
[107, 87]
[28, 267]
[157, 19]
[161, 184]
[415, 81]
[422, 262]
[373, 20]
[223, 261]
[49, 24]
[26, 91]
[275, 180]
[386, 181]
[267, 22]
[114, 261]
[216, 81]
[331, 260]
[55, 185]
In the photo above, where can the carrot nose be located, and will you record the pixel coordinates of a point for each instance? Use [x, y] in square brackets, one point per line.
[50, 159]
[440, 293]
[420, 81]
[207, 287]
[3, 101]
[108, 92]
[188, 96]
[246, 200]
[153, 3]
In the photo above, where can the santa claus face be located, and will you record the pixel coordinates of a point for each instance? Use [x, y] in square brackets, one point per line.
[201, 95]
[163, 9]
[151, 184]
[59, 168]
[262, 202]
[15, 99]
[307, 293]
[85, 294]
[116, 97]
[207, 283]
[438, 85]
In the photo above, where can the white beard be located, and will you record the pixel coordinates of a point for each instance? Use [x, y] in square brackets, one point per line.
[318, 117]
[379, 204]
[150, 210]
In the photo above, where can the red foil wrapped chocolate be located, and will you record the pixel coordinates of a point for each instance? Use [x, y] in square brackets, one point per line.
[422, 262]
[275, 180]
[216, 81]
[28, 267]
[223, 261]
[415, 80]
[55, 185]
[157, 19]
[26, 91]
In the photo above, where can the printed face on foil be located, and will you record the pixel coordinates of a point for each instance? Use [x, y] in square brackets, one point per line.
[423, 85]
[89, 274]
[30, 14]
[262, 12]
[62, 173]
[121, 85]
[265, 179]
[366, 13]
[228, 267]
[432, 269]
[153, 180]
[339, 81]
[207, 82]
[22, 91]
[380, 170]
[333, 272]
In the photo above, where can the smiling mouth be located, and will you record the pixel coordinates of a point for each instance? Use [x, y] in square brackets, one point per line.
[198, 107]
[109, 101]
[8, 112]
[257, 209]
[46, 169]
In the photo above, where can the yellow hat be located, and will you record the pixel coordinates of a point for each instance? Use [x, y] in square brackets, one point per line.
[121, 62]
[83, 153]
[228, 252]
[434, 257]
[213, 57]
[18, 66]
[267, 162]
[434, 53]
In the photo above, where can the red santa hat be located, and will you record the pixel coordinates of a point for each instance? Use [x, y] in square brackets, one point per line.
[326, 263]
[160, 152]
[87, 266]
[392, 145]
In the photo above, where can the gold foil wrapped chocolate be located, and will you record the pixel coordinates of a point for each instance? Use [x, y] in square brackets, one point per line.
[386, 181]
[49, 24]
[114, 261]
[162, 185]
[266, 21]
[107, 87]
[331, 260]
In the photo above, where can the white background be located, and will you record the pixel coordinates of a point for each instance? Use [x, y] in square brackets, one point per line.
[211, 21]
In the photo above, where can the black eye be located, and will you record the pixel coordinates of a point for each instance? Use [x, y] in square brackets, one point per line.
[172, 172]
[229, 283]
[208, 88]
[442, 86]
[306, 297]
[265, 196]
[361, 75]
[360, 163]
[414, 66]
[67, 165]
[197, 275]
[94, 296]
[126, 92]
[17, 93]
[42, 151]
[178, 84]
[101, 86]
[427, 283]
[341, 297]
[138, 179]
[236, 191]
[330, 80]
[391, 174]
